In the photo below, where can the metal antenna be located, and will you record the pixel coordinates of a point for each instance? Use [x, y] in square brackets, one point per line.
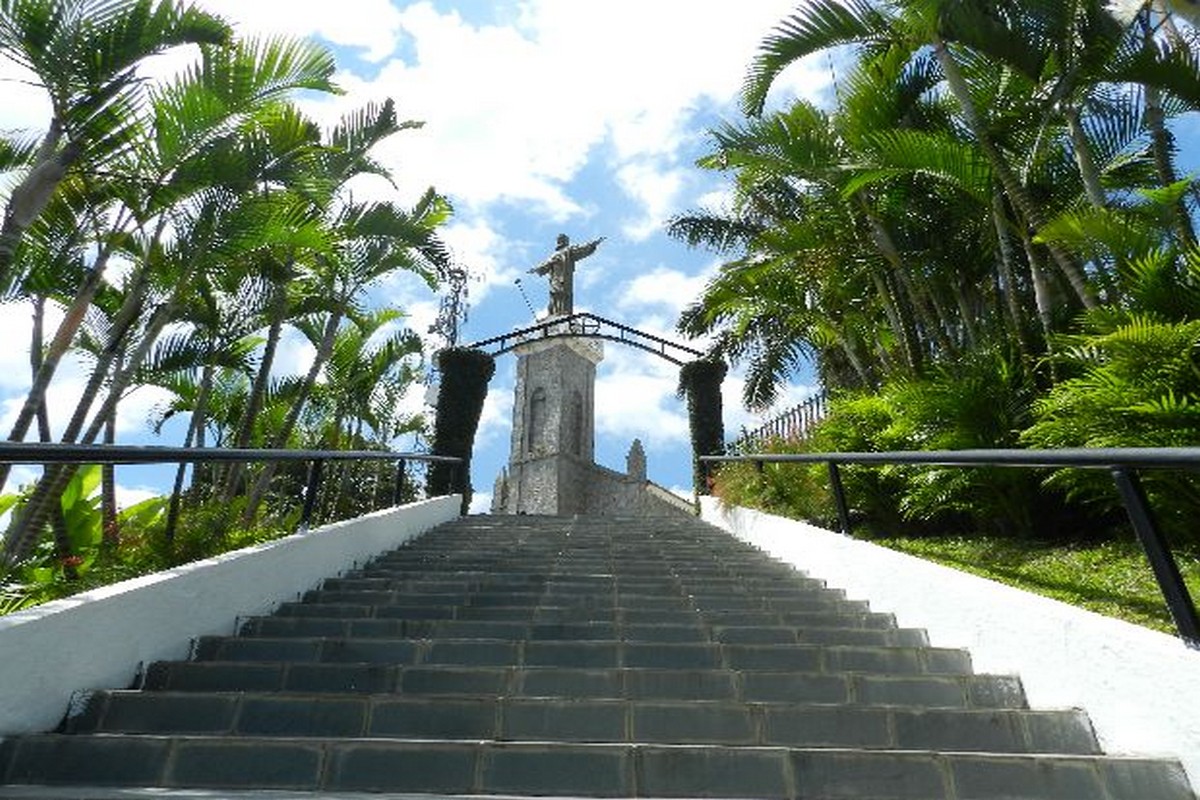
[525, 297]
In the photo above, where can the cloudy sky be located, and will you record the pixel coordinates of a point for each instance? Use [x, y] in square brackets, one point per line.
[541, 117]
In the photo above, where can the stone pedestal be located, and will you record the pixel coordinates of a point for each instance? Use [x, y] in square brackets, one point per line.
[553, 437]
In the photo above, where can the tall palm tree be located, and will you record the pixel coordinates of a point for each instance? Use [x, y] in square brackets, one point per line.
[194, 118]
[85, 54]
[908, 27]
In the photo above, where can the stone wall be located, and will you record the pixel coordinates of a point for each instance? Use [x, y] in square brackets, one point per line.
[563, 484]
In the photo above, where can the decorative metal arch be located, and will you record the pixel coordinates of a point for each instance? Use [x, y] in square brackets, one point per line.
[589, 326]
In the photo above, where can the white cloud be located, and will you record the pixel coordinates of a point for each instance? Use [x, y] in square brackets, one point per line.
[138, 407]
[656, 189]
[664, 289]
[489, 258]
[26, 105]
[481, 503]
[513, 111]
[495, 423]
[369, 25]
[132, 495]
[635, 398]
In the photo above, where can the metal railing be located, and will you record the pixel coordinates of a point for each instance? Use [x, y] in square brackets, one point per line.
[1122, 463]
[55, 453]
[794, 424]
[591, 326]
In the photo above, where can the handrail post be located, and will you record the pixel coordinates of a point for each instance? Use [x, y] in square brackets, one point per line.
[1166, 571]
[839, 497]
[310, 492]
[398, 489]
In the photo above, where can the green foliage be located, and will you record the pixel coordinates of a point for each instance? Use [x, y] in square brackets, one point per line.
[1110, 577]
[864, 422]
[1136, 383]
[800, 491]
[206, 530]
[215, 527]
[81, 514]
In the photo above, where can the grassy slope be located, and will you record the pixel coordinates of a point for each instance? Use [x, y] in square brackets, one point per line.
[1111, 578]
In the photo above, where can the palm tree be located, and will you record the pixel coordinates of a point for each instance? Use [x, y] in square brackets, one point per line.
[375, 240]
[85, 54]
[194, 120]
[906, 27]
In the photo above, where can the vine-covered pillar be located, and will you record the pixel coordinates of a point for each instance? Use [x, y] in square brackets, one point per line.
[700, 382]
[465, 375]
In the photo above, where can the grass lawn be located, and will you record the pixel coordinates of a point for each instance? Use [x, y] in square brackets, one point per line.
[1111, 578]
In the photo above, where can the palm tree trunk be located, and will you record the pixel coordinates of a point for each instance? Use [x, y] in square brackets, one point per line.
[54, 353]
[36, 343]
[1013, 187]
[258, 389]
[1162, 143]
[30, 197]
[108, 488]
[1083, 158]
[108, 357]
[1008, 273]
[1041, 293]
[22, 535]
[887, 248]
[324, 350]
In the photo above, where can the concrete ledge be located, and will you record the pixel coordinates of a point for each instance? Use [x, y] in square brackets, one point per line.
[97, 639]
[1137, 685]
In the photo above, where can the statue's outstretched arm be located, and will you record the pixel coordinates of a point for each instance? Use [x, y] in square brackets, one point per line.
[585, 250]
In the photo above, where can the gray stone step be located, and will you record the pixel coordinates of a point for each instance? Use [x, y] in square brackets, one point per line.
[582, 770]
[931, 691]
[581, 658]
[587, 654]
[574, 720]
[696, 631]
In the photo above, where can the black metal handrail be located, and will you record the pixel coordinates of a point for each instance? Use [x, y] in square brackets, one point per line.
[1121, 462]
[59, 453]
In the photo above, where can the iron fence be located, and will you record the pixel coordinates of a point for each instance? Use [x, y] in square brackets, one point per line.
[795, 424]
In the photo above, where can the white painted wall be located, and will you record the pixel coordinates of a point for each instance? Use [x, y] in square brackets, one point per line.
[97, 639]
[1138, 686]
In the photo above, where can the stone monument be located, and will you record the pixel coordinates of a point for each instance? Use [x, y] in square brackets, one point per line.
[551, 467]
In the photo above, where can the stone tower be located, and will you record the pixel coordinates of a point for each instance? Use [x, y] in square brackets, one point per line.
[553, 436]
[551, 463]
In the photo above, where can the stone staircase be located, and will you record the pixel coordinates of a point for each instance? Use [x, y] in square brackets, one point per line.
[575, 657]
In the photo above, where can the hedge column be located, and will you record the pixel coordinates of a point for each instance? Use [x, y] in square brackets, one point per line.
[701, 382]
[465, 376]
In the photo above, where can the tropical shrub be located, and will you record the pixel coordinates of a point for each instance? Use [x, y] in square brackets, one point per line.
[1136, 383]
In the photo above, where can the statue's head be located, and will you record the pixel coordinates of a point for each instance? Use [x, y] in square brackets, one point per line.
[563, 241]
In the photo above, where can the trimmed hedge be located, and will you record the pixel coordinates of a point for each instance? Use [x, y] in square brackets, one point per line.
[701, 381]
[465, 375]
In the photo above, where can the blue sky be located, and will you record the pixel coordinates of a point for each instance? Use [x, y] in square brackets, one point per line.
[541, 117]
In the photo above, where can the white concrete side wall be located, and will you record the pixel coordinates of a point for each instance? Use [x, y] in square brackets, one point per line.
[1137, 685]
[97, 639]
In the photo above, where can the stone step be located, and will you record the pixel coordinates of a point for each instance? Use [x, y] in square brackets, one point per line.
[579, 770]
[275, 627]
[845, 614]
[562, 720]
[584, 654]
[933, 691]
[661, 587]
[829, 603]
